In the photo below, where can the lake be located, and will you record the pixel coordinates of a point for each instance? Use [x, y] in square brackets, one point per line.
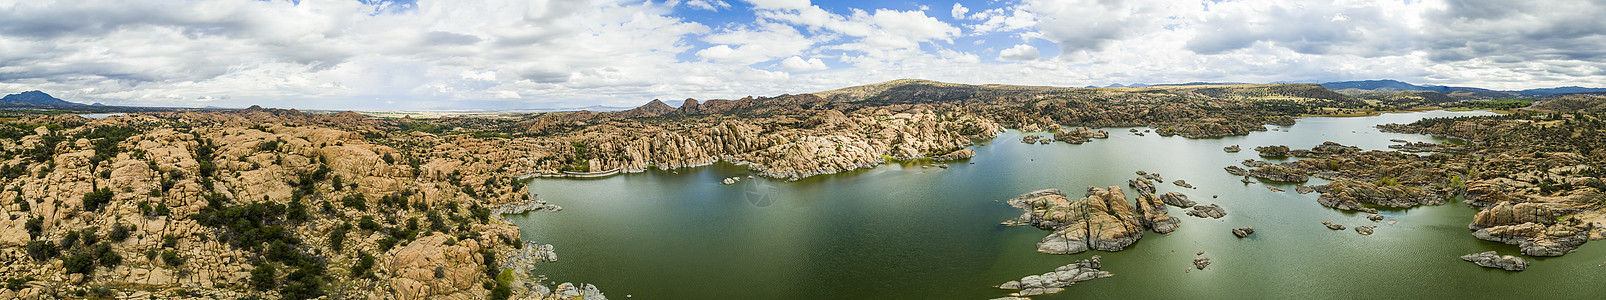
[901, 231]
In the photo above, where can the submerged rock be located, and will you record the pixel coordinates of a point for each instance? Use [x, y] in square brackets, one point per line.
[1242, 232]
[1489, 259]
[1208, 211]
[1201, 262]
[1275, 189]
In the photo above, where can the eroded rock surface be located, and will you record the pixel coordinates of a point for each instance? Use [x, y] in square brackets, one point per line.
[1056, 281]
[1212, 211]
[1489, 259]
[1102, 220]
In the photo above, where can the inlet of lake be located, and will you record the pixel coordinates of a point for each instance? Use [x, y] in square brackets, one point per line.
[904, 231]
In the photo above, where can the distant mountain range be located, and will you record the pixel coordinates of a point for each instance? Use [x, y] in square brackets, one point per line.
[1396, 85]
[34, 98]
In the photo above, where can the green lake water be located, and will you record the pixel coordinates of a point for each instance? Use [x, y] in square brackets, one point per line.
[900, 231]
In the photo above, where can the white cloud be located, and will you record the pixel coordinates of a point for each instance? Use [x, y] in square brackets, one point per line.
[959, 11]
[519, 53]
[1020, 52]
[762, 42]
[780, 4]
[797, 64]
[709, 5]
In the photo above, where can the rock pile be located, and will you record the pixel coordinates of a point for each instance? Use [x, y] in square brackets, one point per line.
[1489, 259]
[1057, 280]
[1242, 232]
[1208, 211]
[1364, 230]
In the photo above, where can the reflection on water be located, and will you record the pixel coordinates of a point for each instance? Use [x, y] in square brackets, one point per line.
[904, 231]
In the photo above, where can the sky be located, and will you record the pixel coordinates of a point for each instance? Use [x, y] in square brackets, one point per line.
[530, 54]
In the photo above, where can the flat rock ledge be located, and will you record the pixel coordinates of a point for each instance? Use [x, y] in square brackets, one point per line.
[1489, 259]
[1057, 280]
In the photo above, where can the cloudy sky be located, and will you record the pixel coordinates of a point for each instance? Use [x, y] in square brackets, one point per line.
[510, 54]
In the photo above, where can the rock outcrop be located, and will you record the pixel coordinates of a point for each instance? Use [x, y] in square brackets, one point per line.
[1177, 199]
[1489, 259]
[1272, 151]
[1057, 280]
[1271, 172]
[1152, 213]
[1333, 226]
[1102, 220]
[1242, 232]
[1365, 230]
[1232, 149]
[1349, 194]
[1208, 211]
[1530, 227]
[1079, 135]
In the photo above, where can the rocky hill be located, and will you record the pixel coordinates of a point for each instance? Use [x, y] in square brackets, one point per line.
[34, 98]
[252, 204]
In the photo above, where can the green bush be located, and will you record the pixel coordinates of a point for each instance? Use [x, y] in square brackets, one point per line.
[35, 227]
[169, 241]
[110, 259]
[16, 284]
[364, 263]
[42, 250]
[337, 237]
[171, 258]
[119, 232]
[71, 240]
[262, 278]
[93, 200]
[80, 263]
